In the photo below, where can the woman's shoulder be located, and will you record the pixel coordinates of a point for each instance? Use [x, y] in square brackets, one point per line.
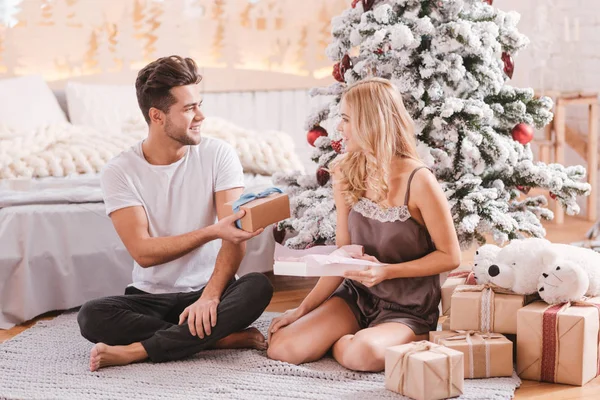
[416, 173]
[423, 180]
[406, 167]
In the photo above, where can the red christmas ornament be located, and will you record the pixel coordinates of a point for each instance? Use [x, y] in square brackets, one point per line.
[522, 133]
[553, 196]
[488, 1]
[337, 146]
[509, 65]
[367, 4]
[337, 73]
[322, 176]
[314, 134]
[278, 235]
[524, 189]
[345, 65]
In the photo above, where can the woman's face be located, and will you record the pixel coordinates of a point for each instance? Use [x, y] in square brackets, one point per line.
[345, 128]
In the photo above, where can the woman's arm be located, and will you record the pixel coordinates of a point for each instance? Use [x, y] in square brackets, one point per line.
[434, 207]
[327, 284]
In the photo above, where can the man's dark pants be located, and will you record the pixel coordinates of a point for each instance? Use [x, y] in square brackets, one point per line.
[152, 319]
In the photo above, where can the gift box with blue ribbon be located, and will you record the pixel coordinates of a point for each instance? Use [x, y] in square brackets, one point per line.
[263, 209]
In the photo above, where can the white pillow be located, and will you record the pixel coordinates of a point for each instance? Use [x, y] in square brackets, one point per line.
[106, 108]
[27, 103]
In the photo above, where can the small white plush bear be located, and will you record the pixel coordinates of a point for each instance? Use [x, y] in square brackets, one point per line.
[574, 273]
[520, 263]
[484, 257]
[558, 272]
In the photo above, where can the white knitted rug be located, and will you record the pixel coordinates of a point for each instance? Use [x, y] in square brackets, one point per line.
[50, 361]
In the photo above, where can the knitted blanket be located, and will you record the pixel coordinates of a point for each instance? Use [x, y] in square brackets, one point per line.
[65, 149]
[50, 361]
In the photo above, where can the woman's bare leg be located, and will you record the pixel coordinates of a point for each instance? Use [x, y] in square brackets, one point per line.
[365, 350]
[310, 337]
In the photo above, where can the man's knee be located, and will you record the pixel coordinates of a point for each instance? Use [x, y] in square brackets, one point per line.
[89, 318]
[260, 289]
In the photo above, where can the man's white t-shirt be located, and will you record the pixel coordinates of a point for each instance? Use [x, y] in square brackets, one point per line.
[178, 198]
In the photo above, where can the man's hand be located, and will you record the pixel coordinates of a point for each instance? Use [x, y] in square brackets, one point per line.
[201, 317]
[226, 229]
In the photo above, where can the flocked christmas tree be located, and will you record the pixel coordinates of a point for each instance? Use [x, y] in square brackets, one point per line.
[452, 61]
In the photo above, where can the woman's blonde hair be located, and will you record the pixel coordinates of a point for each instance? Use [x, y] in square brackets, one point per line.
[382, 128]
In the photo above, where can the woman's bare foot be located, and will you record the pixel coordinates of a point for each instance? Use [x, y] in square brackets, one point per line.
[103, 355]
[249, 338]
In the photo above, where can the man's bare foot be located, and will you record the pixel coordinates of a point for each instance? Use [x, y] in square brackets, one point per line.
[249, 338]
[103, 355]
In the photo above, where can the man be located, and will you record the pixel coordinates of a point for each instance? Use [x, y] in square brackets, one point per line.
[164, 196]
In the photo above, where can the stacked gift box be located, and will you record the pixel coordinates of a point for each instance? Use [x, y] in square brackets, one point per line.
[454, 279]
[559, 343]
[554, 343]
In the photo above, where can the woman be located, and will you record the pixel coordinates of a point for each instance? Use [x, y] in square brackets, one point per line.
[390, 203]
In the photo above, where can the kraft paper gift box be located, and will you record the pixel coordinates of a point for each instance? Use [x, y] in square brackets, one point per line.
[486, 308]
[486, 355]
[446, 324]
[263, 212]
[424, 371]
[559, 343]
[454, 280]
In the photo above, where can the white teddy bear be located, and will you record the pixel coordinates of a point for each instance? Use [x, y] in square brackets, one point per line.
[574, 273]
[558, 272]
[484, 257]
[519, 265]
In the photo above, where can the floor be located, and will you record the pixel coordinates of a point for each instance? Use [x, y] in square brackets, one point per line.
[289, 292]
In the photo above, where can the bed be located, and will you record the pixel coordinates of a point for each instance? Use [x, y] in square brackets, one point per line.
[58, 248]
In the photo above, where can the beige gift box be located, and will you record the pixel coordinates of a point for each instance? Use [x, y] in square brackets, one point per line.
[486, 309]
[558, 343]
[446, 324]
[262, 212]
[486, 355]
[424, 371]
[454, 280]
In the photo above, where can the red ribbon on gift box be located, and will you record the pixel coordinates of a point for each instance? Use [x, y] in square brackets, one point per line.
[550, 338]
[468, 275]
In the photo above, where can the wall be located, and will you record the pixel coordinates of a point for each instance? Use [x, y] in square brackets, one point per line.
[63, 39]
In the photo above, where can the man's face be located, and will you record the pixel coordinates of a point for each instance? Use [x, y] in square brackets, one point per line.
[184, 118]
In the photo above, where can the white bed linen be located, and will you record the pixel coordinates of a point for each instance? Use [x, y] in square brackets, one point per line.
[57, 256]
[74, 189]
[78, 189]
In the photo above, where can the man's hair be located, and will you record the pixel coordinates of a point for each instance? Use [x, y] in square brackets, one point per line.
[155, 80]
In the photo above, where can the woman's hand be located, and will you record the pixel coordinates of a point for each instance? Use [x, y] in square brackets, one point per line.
[283, 320]
[371, 276]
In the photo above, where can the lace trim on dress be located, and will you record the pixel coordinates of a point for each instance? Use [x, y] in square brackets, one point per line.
[369, 209]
